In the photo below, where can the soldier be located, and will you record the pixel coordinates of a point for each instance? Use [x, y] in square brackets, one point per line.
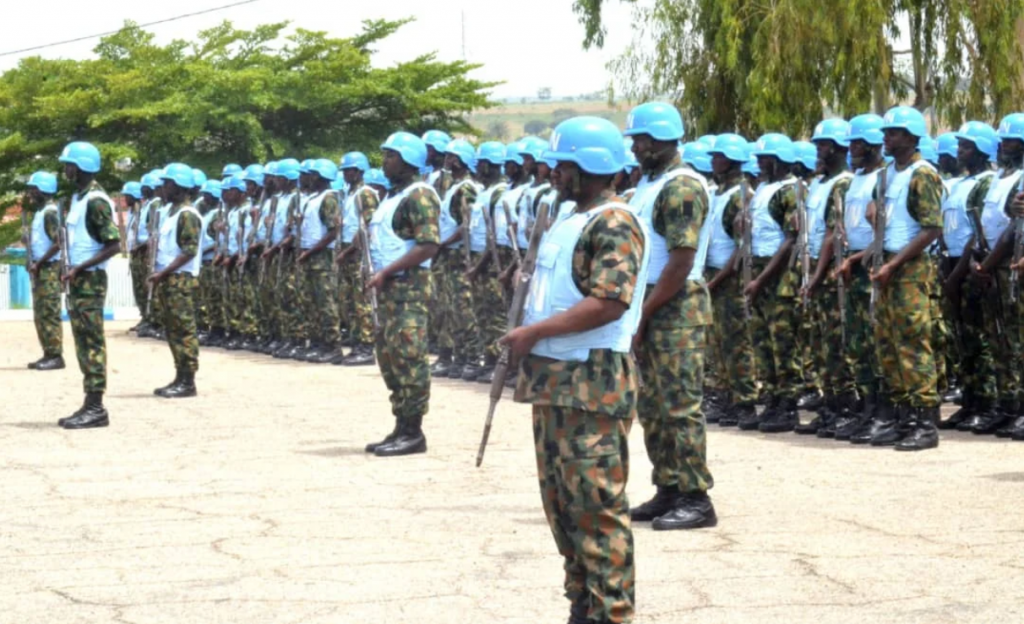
[272, 220]
[278, 262]
[132, 192]
[672, 202]
[43, 249]
[360, 203]
[92, 240]
[318, 232]
[732, 331]
[139, 260]
[178, 263]
[210, 281]
[298, 322]
[438, 177]
[810, 347]
[259, 186]
[376, 180]
[913, 199]
[459, 339]
[240, 322]
[947, 327]
[488, 294]
[531, 149]
[576, 369]
[404, 237]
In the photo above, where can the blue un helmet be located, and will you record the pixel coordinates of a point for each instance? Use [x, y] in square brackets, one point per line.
[707, 139]
[492, 152]
[732, 146]
[906, 118]
[806, 154]
[151, 180]
[131, 189]
[410, 147]
[288, 169]
[835, 130]
[83, 155]
[325, 168]
[777, 145]
[532, 146]
[234, 182]
[254, 173]
[358, 160]
[1012, 127]
[377, 177]
[982, 135]
[306, 166]
[947, 144]
[435, 139]
[926, 145]
[662, 121]
[230, 170]
[512, 153]
[751, 167]
[212, 187]
[180, 174]
[594, 144]
[463, 150]
[867, 128]
[46, 182]
[698, 156]
[198, 178]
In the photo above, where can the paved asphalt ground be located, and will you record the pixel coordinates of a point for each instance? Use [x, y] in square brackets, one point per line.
[254, 504]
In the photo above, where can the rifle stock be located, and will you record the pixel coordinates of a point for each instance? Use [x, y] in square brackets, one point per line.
[26, 235]
[65, 257]
[366, 264]
[838, 253]
[154, 248]
[746, 258]
[877, 255]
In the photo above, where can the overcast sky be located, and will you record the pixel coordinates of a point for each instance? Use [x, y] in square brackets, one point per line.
[527, 43]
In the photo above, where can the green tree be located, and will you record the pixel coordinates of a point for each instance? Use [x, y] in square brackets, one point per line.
[535, 126]
[757, 66]
[498, 130]
[230, 95]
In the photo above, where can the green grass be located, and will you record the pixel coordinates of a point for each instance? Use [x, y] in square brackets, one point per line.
[515, 117]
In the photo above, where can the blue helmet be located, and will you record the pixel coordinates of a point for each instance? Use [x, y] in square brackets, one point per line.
[464, 151]
[46, 182]
[435, 139]
[325, 168]
[151, 180]
[947, 144]
[270, 169]
[662, 121]
[236, 182]
[594, 144]
[492, 152]
[357, 160]
[376, 176]
[230, 170]
[907, 118]
[806, 154]
[732, 146]
[83, 155]
[631, 161]
[532, 146]
[777, 145]
[707, 139]
[198, 178]
[212, 187]
[982, 135]
[338, 184]
[306, 166]
[410, 147]
[288, 169]
[867, 128]
[180, 174]
[1012, 126]
[835, 130]
[131, 189]
[751, 166]
[698, 156]
[512, 153]
[926, 145]
[254, 173]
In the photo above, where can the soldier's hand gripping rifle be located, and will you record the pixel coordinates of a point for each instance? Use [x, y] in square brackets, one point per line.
[838, 253]
[154, 248]
[515, 319]
[1018, 250]
[746, 255]
[876, 256]
[366, 264]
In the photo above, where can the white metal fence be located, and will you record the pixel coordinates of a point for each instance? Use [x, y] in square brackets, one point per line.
[119, 286]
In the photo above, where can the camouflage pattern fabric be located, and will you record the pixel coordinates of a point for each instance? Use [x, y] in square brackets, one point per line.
[775, 318]
[270, 314]
[734, 340]
[1007, 346]
[138, 265]
[359, 312]
[241, 320]
[211, 289]
[977, 359]
[46, 303]
[488, 296]
[177, 294]
[290, 299]
[87, 292]
[460, 331]
[582, 469]
[343, 291]
[860, 339]
[834, 365]
[320, 297]
[401, 345]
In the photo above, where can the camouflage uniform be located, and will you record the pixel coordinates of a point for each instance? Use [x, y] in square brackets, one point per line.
[288, 301]
[318, 282]
[459, 330]
[402, 342]
[86, 294]
[266, 284]
[441, 183]
[489, 294]
[581, 420]
[177, 297]
[46, 296]
[209, 315]
[671, 355]
[241, 319]
[359, 311]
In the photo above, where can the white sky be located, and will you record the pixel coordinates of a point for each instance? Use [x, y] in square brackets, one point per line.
[527, 43]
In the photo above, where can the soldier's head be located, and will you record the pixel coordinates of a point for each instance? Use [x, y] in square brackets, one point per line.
[354, 166]
[589, 152]
[81, 162]
[656, 129]
[832, 140]
[253, 177]
[728, 154]
[210, 192]
[270, 179]
[544, 168]
[902, 129]
[460, 158]
[376, 180]
[178, 181]
[233, 190]
[42, 186]
[775, 155]
[490, 160]
[323, 173]
[405, 155]
[287, 174]
[1011, 140]
[977, 145]
[865, 139]
[513, 162]
[436, 142]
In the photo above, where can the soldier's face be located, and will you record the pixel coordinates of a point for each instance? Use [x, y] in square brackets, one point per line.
[543, 171]
[565, 173]
[529, 164]
[392, 165]
[898, 140]
[432, 154]
[966, 151]
[858, 151]
[351, 175]
[511, 170]
[70, 171]
[720, 165]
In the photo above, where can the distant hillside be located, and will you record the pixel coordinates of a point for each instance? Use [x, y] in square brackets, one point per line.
[508, 122]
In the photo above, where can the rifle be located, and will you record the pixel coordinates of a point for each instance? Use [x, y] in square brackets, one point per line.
[1018, 249]
[122, 230]
[838, 253]
[366, 266]
[65, 257]
[803, 245]
[136, 216]
[981, 242]
[222, 244]
[245, 241]
[270, 237]
[465, 227]
[492, 237]
[26, 235]
[511, 233]
[515, 319]
[154, 247]
[746, 257]
[876, 256]
[287, 231]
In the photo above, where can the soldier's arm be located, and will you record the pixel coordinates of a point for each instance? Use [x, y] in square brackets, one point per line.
[330, 216]
[99, 221]
[416, 220]
[831, 223]
[189, 235]
[679, 212]
[52, 229]
[787, 209]
[924, 202]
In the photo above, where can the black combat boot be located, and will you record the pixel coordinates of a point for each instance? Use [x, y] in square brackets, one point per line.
[458, 365]
[251, 343]
[183, 389]
[487, 372]
[442, 365]
[234, 343]
[1015, 426]
[471, 370]
[877, 411]
[161, 390]
[49, 363]
[362, 355]
[216, 338]
[826, 416]
[735, 413]
[712, 406]
[848, 410]
[143, 329]
[410, 440]
[92, 414]
[159, 333]
[298, 351]
[388, 439]
[692, 510]
[889, 431]
[33, 365]
[328, 355]
[282, 351]
[786, 418]
[662, 503]
[578, 610]
[78, 412]
[313, 352]
[968, 406]
[750, 420]
[921, 433]
[203, 336]
[810, 401]
[992, 420]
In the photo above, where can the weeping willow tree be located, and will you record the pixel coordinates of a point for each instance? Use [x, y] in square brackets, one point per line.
[782, 64]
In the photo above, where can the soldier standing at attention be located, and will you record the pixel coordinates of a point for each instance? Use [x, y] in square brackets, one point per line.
[139, 262]
[92, 240]
[178, 263]
[439, 178]
[584, 308]
[404, 237]
[210, 276]
[672, 202]
[43, 249]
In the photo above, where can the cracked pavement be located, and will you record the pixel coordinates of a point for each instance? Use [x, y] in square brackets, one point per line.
[254, 503]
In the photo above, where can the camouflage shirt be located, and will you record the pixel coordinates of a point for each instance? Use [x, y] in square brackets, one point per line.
[841, 186]
[330, 211]
[605, 265]
[468, 193]
[443, 183]
[99, 217]
[368, 201]
[416, 219]
[732, 209]
[189, 229]
[924, 197]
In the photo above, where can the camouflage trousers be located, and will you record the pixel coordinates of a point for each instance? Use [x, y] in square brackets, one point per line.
[320, 297]
[402, 351]
[341, 287]
[904, 338]
[810, 348]
[177, 298]
[436, 310]
[290, 304]
[832, 360]
[86, 295]
[860, 336]
[242, 319]
[459, 329]
[942, 338]
[775, 326]
[1006, 341]
[671, 362]
[734, 340]
[204, 311]
[46, 292]
[137, 265]
[582, 469]
[490, 309]
[977, 361]
[358, 309]
[269, 321]
[213, 290]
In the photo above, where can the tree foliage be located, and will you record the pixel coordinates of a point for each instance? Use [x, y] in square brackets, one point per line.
[229, 95]
[783, 64]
